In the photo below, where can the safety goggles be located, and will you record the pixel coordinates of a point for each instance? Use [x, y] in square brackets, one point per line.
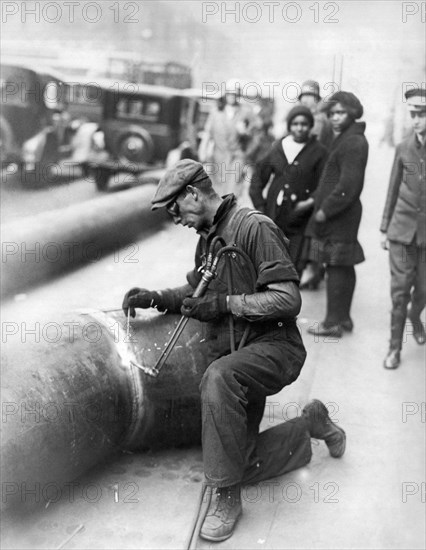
[173, 207]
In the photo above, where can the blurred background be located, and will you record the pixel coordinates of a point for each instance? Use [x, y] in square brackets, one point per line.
[379, 43]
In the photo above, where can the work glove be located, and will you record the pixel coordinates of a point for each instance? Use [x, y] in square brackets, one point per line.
[143, 298]
[208, 308]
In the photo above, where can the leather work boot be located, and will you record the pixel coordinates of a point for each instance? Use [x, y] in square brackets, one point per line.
[419, 333]
[223, 514]
[392, 359]
[321, 426]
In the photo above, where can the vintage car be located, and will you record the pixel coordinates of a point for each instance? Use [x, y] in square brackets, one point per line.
[34, 123]
[141, 126]
[85, 101]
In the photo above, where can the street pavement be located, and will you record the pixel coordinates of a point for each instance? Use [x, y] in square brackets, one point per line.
[373, 497]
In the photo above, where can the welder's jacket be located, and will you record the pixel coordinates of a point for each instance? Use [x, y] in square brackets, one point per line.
[266, 246]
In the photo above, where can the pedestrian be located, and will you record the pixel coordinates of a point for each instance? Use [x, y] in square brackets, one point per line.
[263, 353]
[333, 227]
[310, 97]
[404, 230]
[227, 135]
[295, 162]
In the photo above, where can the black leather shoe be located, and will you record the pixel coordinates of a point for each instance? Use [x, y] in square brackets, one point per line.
[392, 359]
[347, 325]
[312, 284]
[320, 329]
[321, 426]
[419, 333]
[224, 511]
[310, 278]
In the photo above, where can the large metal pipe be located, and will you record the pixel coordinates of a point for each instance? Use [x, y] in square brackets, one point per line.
[70, 396]
[41, 246]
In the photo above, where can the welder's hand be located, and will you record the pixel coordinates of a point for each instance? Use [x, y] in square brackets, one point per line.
[384, 243]
[138, 297]
[208, 308]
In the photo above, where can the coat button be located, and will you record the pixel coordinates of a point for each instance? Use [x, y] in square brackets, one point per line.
[280, 324]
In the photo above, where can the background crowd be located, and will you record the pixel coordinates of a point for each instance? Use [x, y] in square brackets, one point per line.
[310, 181]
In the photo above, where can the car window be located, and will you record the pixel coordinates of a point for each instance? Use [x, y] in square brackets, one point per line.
[141, 108]
[15, 84]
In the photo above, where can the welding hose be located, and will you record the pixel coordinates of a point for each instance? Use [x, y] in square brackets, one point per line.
[233, 249]
[199, 515]
[208, 275]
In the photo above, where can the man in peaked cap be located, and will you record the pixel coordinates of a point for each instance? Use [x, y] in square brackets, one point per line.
[264, 354]
[404, 230]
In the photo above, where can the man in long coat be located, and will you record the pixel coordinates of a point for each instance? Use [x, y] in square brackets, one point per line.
[228, 132]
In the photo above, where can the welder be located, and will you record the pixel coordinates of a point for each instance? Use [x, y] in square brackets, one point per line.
[254, 345]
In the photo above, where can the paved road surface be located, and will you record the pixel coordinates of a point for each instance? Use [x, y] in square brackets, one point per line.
[371, 498]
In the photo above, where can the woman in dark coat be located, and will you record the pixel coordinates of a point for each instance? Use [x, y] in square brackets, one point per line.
[295, 162]
[333, 227]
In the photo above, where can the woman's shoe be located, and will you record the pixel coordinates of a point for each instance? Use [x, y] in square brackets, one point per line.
[311, 277]
[320, 329]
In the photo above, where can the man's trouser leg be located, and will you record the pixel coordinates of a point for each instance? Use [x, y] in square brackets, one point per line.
[231, 386]
[418, 294]
[279, 450]
[402, 261]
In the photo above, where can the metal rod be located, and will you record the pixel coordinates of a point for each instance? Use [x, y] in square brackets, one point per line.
[76, 530]
[155, 371]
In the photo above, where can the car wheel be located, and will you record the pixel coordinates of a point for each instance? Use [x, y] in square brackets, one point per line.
[135, 148]
[101, 178]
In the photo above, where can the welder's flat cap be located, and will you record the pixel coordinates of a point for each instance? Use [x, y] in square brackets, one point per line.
[416, 99]
[185, 172]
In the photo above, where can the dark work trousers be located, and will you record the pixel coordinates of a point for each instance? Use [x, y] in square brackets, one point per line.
[341, 281]
[233, 392]
[408, 282]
